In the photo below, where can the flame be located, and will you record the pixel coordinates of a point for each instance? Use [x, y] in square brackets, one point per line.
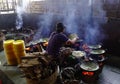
[28, 48]
[88, 73]
[45, 44]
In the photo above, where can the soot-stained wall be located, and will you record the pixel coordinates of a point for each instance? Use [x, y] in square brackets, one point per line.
[8, 21]
[111, 29]
[112, 39]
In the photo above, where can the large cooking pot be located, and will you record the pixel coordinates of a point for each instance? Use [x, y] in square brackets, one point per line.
[78, 54]
[89, 66]
[68, 73]
[66, 51]
[89, 72]
[72, 36]
[72, 82]
[99, 58]
[97, 52]
[98, 46]
[97, 55]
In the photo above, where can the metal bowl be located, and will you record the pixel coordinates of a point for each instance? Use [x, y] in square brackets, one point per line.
[89, 66]
[97, 52]
[97, 58]
[72, 36]
[71, 82]
[94, 46]
[68, 73]
[78, 54]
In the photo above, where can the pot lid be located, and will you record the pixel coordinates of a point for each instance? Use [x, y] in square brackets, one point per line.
[95, 46]
[89, 66]
[78, 54]
[100, 51]
[72, 36]
[99, 59]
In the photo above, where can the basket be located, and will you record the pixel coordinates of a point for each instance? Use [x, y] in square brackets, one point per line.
[50, 80]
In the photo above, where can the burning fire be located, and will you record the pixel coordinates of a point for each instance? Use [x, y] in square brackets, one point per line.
[28, 48]
[45, 44]
[88, 73]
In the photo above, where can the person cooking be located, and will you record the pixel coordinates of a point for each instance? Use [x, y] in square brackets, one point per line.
[57, 39]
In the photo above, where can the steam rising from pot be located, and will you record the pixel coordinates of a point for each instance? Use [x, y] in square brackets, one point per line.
[83, 17]
[20, 10]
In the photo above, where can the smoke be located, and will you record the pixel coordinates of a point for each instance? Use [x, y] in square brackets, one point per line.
[93, 30]
[19, 20]
[44, 26]
[20, 10]
[111, 2]
[83, 17]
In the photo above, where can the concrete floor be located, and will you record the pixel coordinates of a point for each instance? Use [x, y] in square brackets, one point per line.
[109, 75]
[11, 74]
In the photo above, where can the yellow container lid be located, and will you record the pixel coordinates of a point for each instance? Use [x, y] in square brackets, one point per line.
[8, 41]
[17, 42]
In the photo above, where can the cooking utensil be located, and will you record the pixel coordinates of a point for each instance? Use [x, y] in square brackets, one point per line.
[94, 46]
[72, 36]
[89, 66]
[78, 54]
[97, 52]
[68, 73]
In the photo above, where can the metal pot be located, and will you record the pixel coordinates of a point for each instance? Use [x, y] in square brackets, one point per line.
[89, 66]
[68, 73]
[72, 82]
[98, 46]
[89, 72]
[97, 55]
[72, 36]
[97, 52]
[78, 54]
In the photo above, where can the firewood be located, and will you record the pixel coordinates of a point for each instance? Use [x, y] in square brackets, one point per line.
[25, 66]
